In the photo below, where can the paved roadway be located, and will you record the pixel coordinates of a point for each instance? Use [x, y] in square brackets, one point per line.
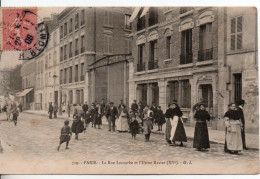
[38, 137]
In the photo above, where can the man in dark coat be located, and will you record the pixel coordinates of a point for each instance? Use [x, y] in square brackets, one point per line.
[241, 104]
[20, 106]
[50, 110]
[55, 110]
[102, 106]
[112, 115]
[85, 108]
[134, 106]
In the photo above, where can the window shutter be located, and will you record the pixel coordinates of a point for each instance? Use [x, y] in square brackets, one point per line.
[233, 25]
[233, 42]
[239, 41]
[239, 24]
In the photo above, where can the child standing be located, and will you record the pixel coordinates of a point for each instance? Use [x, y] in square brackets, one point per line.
[15, 115]
[65, 134]
[148, 126]
[134, 127]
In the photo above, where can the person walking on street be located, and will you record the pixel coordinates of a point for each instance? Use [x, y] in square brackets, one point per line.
[55, 110]
[85, 108]
[94, 114]
[15, 115]
[20, 106]
[201, 135]
[134, 106]
[240, 107]
[177, 131]
[121, 106]
[50, 110]
[168, 115]
[65, 134]
[68, 109]
[233, 138]
[160, 120]
[112, 115]
[77, 125]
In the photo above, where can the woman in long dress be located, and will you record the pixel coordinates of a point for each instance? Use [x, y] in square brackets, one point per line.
[201, 135]
[122, 125]
[168, 116]
[77, 126]
[233, 139]
[177, 131]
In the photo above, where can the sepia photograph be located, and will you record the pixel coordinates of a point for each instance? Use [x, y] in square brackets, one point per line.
[129, 90]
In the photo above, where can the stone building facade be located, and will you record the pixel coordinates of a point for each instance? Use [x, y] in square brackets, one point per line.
[86, 35]
[181, 53]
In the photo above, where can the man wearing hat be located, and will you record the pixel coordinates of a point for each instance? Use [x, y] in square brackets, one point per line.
[112, 115]
[240, 105]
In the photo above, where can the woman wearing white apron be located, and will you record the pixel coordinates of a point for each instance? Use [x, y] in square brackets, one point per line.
[177, 131]
[122, 125]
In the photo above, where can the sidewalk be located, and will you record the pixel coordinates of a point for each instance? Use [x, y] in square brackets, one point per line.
[216, 136]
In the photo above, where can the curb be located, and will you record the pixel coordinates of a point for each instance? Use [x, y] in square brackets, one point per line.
[154, 132]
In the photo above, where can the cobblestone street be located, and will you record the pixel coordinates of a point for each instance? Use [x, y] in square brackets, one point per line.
[37, 137]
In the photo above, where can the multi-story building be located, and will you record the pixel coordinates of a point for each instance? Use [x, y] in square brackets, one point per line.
[238, 63]
[180, 53]
[28, 74]
[88, 34]
[40, 75]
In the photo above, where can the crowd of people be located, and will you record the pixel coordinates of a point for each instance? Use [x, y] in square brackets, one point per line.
[142, 118]
[12, 110]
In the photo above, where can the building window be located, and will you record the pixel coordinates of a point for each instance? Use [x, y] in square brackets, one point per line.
[70, 28]
[65, 75]
[82, 17]
[186, 47]
[65, 52]
[76, 21]
[61, 32]
[70, 50]
[153, 16]
[70, 97]
[127, 23]
[70, 75]
[140, 64]
[205, 43]
[153, 63]
[207, 95]
[76, 73]
[185, 94]
[238, 87]
[76, 47]
[107, 17]
[236, 33]
[55, 39]
[61, 76]
[168, 47]
[140, 21]
[82, 44]
[173, 91]
[65, 29]
[61, 53]
[54, 58]
[82, 72]
[185, 9]
[108, 44]
[128, 45]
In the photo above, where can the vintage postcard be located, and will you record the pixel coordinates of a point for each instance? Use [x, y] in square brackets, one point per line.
[129, 90]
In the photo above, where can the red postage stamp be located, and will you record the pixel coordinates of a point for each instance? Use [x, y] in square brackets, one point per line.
[19, 29]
